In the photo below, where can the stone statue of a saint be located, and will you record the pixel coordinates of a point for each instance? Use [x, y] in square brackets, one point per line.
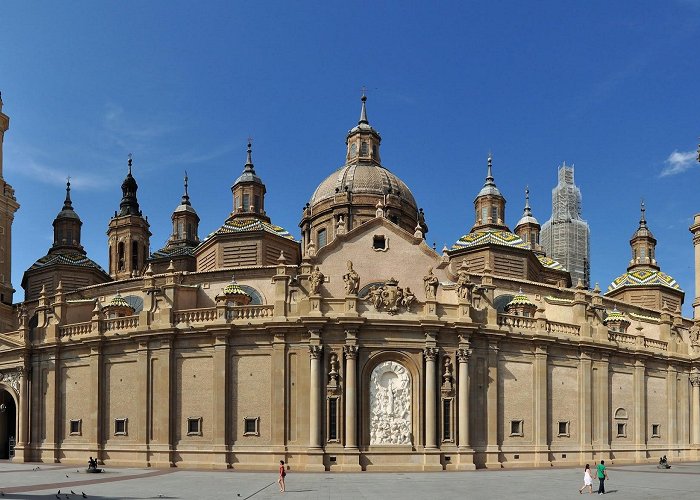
[315, 280]
[464, 283]
[352, 280]
[431, 283]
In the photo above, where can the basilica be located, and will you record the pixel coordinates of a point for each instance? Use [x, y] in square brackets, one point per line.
[354, 347]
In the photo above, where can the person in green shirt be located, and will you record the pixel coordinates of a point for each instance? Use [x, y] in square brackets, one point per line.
[602, 476]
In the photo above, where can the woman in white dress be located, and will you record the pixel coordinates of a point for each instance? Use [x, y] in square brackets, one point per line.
[587, 480]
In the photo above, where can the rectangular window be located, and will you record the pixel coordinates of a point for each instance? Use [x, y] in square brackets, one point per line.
[120, 426]
[484, 215]
[194, 426]
[251, 426]
[563, 428]
[447, 420]
[494, 214]
[655, 430]
[76, 427]
[246, 202]
[321, 237]
[621, 430]
[333, 419]
[516, 427]
[256, 203]
[379, 242]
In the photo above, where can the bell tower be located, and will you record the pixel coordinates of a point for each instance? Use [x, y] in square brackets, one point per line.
[128, 234]
[8, 207]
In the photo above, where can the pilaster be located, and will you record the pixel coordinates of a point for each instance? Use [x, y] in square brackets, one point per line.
[493, 446]
[539, 399]
[640, 413]
[466, 453]
[585, 407]
[221, 399]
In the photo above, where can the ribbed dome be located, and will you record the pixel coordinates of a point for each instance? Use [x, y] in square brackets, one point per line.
[362, 179]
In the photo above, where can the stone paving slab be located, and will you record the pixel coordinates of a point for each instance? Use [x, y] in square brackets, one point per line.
[21, 481]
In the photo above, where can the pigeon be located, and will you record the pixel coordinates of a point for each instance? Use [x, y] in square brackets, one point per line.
[73, 492]
[59, 492]
[84, 495]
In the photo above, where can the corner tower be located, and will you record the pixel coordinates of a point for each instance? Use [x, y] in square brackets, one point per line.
[247, 238]
[128, 234]
[66, 261]
[8, 207]
[184, 238]
[644, 284]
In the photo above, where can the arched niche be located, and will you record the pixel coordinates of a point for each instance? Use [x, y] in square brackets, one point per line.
[391, 393]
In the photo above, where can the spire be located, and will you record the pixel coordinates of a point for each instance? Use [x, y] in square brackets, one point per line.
[129, 205]
[528, 211]
[489, 175]
[185, 196]
[363, 112]
[67, 204]
[643, 219]
[249, 167]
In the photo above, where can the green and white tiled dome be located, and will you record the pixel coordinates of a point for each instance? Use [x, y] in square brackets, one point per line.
[644, 277]
[489, 236]
[248, 225]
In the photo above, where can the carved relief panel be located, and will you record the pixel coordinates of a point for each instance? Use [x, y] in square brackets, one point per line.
[390, 405]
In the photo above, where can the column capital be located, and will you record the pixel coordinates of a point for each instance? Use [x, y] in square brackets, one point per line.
[695, 380]
[430, 353]
[463, 354]
[350, 351]
[314, 351]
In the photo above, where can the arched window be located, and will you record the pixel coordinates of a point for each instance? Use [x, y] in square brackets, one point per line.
[134, 255]
[120, 256]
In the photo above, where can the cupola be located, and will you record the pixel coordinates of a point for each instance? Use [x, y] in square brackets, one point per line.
[521, 305]
[234, 294]
[66, 227]
[528, 228]
[249, 192]
[489, 204]
[616, 321]
[643, 245]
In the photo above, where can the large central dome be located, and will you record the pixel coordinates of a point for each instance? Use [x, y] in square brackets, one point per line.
[362, 179]
[357, 192]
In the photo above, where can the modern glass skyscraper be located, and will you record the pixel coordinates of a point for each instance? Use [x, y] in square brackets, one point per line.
[565, 236]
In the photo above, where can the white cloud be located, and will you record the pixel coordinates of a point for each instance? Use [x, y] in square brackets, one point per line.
[678, 162]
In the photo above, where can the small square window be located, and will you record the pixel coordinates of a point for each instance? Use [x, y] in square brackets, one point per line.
[194, 426]
[251, 426]
[655, 430]
[516, 427]
[563, 428]
[379, 242]
[120, 426]
[621, 430]
[76, 427]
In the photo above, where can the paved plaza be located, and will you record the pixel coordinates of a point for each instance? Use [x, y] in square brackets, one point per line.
[639, 481]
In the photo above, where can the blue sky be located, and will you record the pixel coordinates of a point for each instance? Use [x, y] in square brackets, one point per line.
[611, 87]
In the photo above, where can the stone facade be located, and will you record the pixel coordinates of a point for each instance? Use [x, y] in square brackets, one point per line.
[370, 351]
